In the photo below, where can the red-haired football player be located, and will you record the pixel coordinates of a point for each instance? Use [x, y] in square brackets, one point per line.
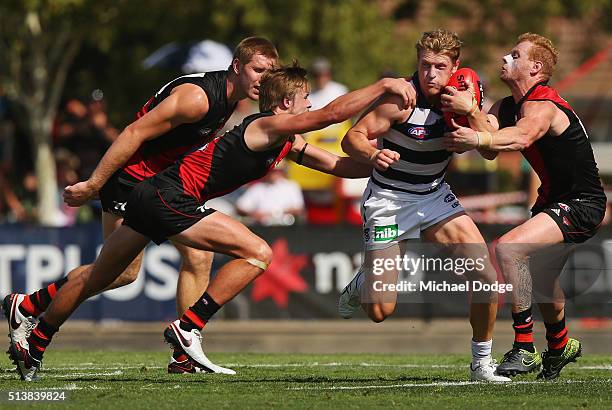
[571, 201]
[407, 198]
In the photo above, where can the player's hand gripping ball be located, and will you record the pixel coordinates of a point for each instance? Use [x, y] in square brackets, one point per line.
[464, 79]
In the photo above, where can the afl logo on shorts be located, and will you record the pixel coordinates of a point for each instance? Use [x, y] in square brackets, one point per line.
[418, 132]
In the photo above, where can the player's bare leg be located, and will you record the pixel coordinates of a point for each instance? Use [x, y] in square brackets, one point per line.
[377, 304]
[225, 235]
[22, 310]
[193, 278]
[121, 248]
[513, 252]
[380, 304]
[222, 234]
[460, 232]
[194, 275]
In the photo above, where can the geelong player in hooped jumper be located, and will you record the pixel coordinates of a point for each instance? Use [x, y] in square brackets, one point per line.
[571, 201]
[184, 114]
[171, 205]
[407, 197]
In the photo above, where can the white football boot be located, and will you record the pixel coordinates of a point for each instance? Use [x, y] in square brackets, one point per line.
[20, 326]
[486, 371]
[191, 344]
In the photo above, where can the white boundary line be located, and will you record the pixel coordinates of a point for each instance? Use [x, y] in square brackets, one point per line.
[442, 384]
[118, 366]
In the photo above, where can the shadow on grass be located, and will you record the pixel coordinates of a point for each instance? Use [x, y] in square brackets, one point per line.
[229, 380]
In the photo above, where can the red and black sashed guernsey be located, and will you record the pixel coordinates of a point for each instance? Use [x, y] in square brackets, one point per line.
[221, 166]
[173, 200]
[155, 155]
[564, 163]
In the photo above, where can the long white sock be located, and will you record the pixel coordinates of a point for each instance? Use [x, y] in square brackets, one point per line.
[481, 352]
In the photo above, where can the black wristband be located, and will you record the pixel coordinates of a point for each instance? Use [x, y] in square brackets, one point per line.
[300, 157]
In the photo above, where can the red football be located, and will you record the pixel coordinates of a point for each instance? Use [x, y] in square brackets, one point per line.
[460, 81]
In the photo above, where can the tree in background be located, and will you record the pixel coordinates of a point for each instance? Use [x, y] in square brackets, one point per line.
[39, 41]
[101, 44]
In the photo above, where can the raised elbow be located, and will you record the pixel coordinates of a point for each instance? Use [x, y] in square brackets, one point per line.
[131, 133]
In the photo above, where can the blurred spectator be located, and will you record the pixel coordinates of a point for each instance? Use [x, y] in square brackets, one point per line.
[99, 118]
[11, 209]
[274, 200]
[26, 199]
[85, 131]
[7, 135]
[324, 89]
[67, 165]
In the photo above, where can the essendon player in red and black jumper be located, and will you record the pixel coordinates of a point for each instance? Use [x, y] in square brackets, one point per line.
[571, 202]
[156, 155]
[175, 197]
[570, 192]
[172, 205]
[184, 114]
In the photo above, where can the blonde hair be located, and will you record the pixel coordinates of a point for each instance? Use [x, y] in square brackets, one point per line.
[542, 50]
[440, 41]
[280, 83]
[247, 48]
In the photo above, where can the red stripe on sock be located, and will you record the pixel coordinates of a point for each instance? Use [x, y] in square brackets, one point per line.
[37, 347]
[52, 290]
[39, 334]
[523, 326]
[27, 305]
[194, 318]
[558, 335]
[523, 337]
[179, 355]
[557, 340]
[558, 345]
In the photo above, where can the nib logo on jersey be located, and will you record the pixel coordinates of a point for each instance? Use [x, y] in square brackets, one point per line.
[385, 233]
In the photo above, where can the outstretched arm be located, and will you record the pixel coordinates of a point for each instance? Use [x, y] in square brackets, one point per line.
[537, 117]
[187, 103]
[324, 161]
[341, 109]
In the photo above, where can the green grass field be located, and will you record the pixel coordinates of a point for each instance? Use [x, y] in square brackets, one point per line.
[139, 380]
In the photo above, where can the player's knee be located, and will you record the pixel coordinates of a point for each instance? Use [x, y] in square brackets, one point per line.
[486, 275]
[508, 253]
[261, 252]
